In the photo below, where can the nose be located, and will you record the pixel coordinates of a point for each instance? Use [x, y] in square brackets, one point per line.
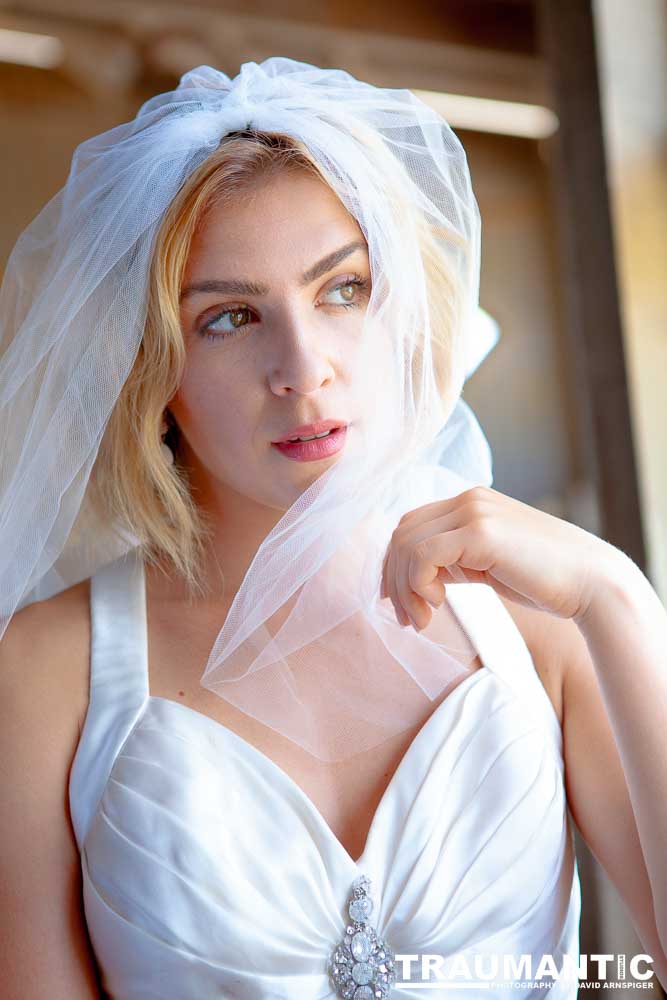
[302, 361]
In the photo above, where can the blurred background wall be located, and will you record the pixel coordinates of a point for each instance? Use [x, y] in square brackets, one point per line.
[633, 73]
[564, 426]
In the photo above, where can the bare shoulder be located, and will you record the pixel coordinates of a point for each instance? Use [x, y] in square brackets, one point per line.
[45, 655]
[44, 679]
[552, 642]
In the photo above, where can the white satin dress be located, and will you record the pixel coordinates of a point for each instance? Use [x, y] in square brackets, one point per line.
[208, 873]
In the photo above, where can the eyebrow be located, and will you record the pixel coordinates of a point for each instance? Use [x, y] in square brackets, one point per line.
[240, 287]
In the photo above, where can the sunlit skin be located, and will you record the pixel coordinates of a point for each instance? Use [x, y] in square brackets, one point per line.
[285, 354]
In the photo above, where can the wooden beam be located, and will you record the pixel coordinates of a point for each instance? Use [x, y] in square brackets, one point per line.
[230, 38]
[589, 285]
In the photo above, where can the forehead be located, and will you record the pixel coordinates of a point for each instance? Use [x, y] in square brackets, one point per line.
[286, 220]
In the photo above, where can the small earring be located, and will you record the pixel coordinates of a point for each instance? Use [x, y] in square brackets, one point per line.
[167, 453]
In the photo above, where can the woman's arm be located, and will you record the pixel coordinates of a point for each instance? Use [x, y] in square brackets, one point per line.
[625, 631]
[45, 947]
[604, 709]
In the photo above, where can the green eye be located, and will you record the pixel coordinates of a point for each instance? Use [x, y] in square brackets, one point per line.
[352, 291]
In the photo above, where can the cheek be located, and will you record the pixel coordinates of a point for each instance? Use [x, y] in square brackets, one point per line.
[213, 409]
[376, 371]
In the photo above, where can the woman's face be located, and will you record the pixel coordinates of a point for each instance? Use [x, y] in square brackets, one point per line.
[272, 308]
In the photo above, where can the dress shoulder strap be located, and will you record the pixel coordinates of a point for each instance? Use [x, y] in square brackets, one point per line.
[501, 646]
[118, 681]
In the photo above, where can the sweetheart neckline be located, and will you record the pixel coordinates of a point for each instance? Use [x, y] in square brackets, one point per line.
[226, 733]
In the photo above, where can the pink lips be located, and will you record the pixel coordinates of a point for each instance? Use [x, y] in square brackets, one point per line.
[318, 448]
[305, 430]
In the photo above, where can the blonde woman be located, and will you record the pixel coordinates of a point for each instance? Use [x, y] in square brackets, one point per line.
[323, 708]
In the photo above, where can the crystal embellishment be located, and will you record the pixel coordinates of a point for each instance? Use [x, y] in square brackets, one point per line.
[362, 964]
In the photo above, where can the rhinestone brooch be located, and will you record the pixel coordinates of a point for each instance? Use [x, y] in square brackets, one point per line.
[362, 964]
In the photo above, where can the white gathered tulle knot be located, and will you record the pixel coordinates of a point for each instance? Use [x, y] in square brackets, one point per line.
[207, 77]
[239, 114]
[238, 94]
[251, 97]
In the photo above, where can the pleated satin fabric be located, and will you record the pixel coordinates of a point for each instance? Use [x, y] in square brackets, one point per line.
[208, 872]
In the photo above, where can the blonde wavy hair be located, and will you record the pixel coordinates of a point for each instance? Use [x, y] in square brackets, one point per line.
[131, 484]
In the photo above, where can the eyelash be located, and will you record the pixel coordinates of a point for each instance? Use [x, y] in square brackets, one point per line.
[356, 279]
